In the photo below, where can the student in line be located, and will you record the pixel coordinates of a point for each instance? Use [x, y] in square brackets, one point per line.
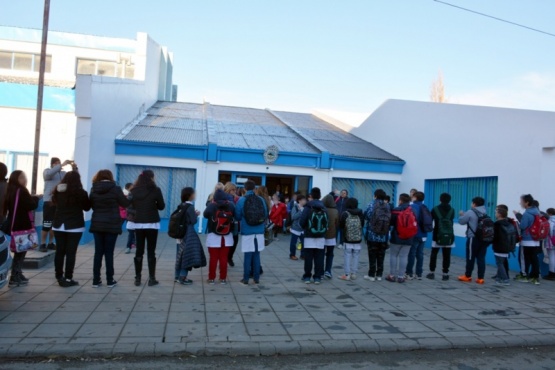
[231, 191]
[402, 235]
[550, 245]
[530, 247]
[378, 217]
[17, 205]
[70, 200]
[314, 222]
[504, 241]
[415, 266]
[297, 234]
[188, 196]
[252, 212]
[331, 234]
[476, 247]
[147, 200]
[130, 232]
[106, 198]
[443, 236]
[350, 224]
[220, 216]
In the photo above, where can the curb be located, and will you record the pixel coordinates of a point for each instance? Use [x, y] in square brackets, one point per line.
[237, 349]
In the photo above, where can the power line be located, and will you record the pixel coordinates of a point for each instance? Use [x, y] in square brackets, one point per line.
[496, 18]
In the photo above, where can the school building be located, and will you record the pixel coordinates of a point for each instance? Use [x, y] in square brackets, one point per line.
[467, 151]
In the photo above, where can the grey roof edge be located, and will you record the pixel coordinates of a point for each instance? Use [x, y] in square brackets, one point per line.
[143, 113]
[297, 131]
[211, 127]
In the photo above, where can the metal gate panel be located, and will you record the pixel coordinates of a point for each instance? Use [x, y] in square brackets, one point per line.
[364, 190]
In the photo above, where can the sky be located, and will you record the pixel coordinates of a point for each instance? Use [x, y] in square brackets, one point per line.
[343, 57]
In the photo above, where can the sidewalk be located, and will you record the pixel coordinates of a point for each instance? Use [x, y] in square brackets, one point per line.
[282, 316]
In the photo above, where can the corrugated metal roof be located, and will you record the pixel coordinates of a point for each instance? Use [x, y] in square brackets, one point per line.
[249, 128]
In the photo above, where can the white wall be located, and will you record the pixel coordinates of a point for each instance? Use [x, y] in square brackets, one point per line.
[450, 141]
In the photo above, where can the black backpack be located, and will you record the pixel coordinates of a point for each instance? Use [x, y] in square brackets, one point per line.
[318, 223]
[508, 235]
[485, 230]
[426, 220]
[254, 211]
[177, 227]
[380, 219]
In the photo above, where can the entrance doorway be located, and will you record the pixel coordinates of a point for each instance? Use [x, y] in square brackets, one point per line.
[285, 184]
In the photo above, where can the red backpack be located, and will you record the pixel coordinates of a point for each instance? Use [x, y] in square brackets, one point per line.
[540, 228]
[407, 227]
[223, 220]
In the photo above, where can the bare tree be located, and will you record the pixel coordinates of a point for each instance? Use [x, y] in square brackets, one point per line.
[437, 90]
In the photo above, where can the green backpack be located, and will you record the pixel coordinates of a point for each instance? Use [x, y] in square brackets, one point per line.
[445, 231]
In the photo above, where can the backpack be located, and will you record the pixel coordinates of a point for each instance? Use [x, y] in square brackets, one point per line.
[508, 236]
[317, 226]
[223, 220]
[254, 211]
[426, 221]
[518, 231]
[380, 219]
[177, 227]
[445, 232]
[540, 228]
[353, 228]
[485, 230]
[406, 227]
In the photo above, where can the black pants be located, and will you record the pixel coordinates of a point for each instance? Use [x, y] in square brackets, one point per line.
[313, 257]
[446, 253]
[376, 255]
[17, 263]
[531, 262]
[148, 237]
[66, 249]
[233, 248]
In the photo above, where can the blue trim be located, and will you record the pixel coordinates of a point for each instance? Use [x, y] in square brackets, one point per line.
[367, 165]
[256, 156]
[14, 95]
[212, 154]
[160, 150]
[325, 161]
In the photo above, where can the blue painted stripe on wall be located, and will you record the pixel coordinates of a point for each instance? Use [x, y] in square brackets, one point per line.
[367, 165]
[25, 96]
[160, 150]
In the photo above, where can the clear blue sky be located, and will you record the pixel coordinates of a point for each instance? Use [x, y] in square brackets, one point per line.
[337, 55]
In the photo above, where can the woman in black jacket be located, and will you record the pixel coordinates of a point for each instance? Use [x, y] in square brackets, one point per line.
[146, 198]
[26, 203]
[106, 198]
[69, 224]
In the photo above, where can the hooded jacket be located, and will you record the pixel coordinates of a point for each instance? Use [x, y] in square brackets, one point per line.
[52, 177]
[247, 229]
[526, 222]
[394, 233]
[26, 203]
[221, 199]
[106, 198]
[499, 242]
[333, 216]
[343, 223]
[470, 219]
[69, 208]
[307, 212]
[147, 201]
[296, 214]
[278, 213]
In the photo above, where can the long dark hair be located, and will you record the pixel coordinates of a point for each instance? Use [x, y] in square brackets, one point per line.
[73, 181]
[3, 172]
[146, 178]
[11, 191]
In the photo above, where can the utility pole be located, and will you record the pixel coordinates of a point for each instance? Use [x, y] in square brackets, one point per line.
[40, 96]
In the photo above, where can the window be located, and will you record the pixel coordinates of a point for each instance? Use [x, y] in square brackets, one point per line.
[462, 191]
[105, 68]
[364, 190]
[23, 61]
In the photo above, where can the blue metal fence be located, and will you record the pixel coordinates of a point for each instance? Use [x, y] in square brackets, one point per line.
[363, 190]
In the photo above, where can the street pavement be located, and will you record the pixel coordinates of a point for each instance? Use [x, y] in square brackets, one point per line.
[281, 316]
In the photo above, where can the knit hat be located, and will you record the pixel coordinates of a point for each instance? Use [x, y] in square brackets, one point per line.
[220, 196]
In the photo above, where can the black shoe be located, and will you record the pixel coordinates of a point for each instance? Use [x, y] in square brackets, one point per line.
[137, 281]
[64, 283]
[15, 281]
[431, 276]
[51, 246]
[43, 248]
[231, 263]
[152, 281]
[23, 278]
[445, 277]
[494, 277]
[112, 284]
[97, 284]
[550, 276]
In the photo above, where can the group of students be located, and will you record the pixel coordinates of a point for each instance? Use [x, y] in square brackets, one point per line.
[404, 231]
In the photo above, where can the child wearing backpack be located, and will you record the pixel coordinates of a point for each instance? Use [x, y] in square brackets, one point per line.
[188, 196]
[479, 235]
[378, 217]
[314, 221]
[351, 225]
[443, 235]
[220, 215]
[504, 242]
[331, 234]
[404, 229]
[550, 245]
[533, 227]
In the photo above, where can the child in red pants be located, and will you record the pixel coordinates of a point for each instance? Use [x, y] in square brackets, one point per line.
[220, 238]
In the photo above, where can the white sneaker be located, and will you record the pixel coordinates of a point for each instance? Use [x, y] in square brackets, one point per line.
[353, 276]
[371, 278]
[379, 278]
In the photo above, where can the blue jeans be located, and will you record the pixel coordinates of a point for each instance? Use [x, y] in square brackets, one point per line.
[178, 271]
[351, 257]
[293, 244]
[329, 258]
[130, 238]
[104, 244]
[502, 275]
[251, 257]
[475, 254]
[416, 254]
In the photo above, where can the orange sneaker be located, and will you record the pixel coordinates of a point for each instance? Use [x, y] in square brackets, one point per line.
[480, 281]
[465, 278]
